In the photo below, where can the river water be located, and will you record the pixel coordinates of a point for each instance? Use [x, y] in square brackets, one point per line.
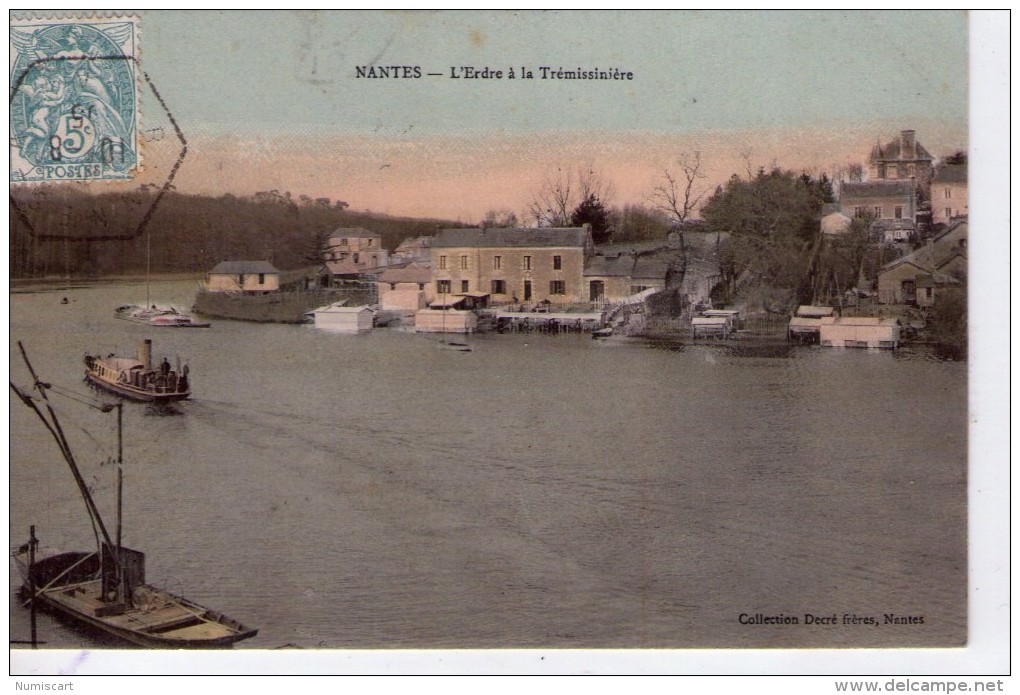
[378, 491]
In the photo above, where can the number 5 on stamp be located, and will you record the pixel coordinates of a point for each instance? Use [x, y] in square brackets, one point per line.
[74, 99]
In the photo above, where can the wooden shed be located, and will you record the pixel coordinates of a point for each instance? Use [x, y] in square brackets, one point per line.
[860, 331]
[806, 324]
[710, 327]
[732, 317]
[344, 319]
[445, 321]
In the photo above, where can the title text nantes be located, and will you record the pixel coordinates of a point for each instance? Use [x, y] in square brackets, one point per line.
[470, 72]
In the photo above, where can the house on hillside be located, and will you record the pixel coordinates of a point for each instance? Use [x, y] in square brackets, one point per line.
[880, 200]
[412, 250]
[356, 245]
[901, 159]
[405, 288]
[529, 265]
[944, 256]
[249, 277]
[949, 193]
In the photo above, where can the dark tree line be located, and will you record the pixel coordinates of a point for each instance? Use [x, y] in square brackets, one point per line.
[82, 235]
[772, 223]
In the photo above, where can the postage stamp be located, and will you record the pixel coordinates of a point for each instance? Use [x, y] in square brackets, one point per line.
[74, 99]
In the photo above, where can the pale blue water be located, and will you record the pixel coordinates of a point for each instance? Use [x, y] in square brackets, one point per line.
[378, 491]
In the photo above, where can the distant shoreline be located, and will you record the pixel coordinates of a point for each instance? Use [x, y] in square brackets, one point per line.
[56, 282]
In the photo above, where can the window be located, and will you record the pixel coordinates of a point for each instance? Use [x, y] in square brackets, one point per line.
[859, 211]
[393, 286]
[443, 286]
[527, 262]
[355, 258]
[463, 262]
[262, 278]
[442, 262]
[949, 192]
[634, 289]
[421, 286]
[949, 213]
[497, 262]
[878, 211]
[898, 212]
[557, 262]
[369, 243]
[343, 242]
[464, 286]
[557, 287]
[499, 287]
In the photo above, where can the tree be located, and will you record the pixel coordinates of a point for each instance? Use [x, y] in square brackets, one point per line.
[679, 194]
[499, 218]
[593, 212]
[554, 201]
[772, 219]
[638, 223]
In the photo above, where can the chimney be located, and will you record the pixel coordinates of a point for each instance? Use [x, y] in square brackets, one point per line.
[145, 354]
[908, 148]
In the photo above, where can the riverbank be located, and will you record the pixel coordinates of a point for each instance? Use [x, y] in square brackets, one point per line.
[45, 284]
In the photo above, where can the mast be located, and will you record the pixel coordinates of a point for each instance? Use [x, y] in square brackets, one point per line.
[53, 425]
[120, 495]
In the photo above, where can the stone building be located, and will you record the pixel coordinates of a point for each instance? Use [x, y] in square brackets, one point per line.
[526, 265]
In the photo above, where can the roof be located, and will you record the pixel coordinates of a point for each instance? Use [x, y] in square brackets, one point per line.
[244, 267]
[857, 321]
[808, 312]
[338, 308]
[356, 232]
[935, 253]
[936, 280]
[418, 242]
[891, 151]
[626, 266]
[879, 188]
[412, 273]
[615, 266]
[538, 237]
[951, 173]
[649, 268]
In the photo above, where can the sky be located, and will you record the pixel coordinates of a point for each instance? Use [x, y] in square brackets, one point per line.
[272, 100]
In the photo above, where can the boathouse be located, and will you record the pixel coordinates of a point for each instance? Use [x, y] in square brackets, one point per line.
[344, 319]
[445, 320]
[249, 277]
[806, 324]
[860, 332]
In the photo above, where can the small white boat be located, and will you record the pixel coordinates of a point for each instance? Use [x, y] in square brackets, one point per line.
[158, 316]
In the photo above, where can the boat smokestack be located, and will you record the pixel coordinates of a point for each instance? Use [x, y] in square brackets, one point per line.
[145, 354]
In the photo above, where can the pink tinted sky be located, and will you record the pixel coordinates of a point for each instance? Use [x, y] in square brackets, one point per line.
[462, 177]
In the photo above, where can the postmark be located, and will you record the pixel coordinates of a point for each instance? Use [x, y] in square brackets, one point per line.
[74, 110]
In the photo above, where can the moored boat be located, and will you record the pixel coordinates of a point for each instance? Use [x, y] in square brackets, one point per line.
[154, 315]
[135, 377]
[72, 584]
[106, 589]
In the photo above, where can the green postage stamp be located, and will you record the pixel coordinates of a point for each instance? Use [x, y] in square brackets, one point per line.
[74, 99]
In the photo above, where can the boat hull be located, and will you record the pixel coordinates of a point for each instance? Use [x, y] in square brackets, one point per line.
[135, 394]
[154, 617]
[165, 317]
